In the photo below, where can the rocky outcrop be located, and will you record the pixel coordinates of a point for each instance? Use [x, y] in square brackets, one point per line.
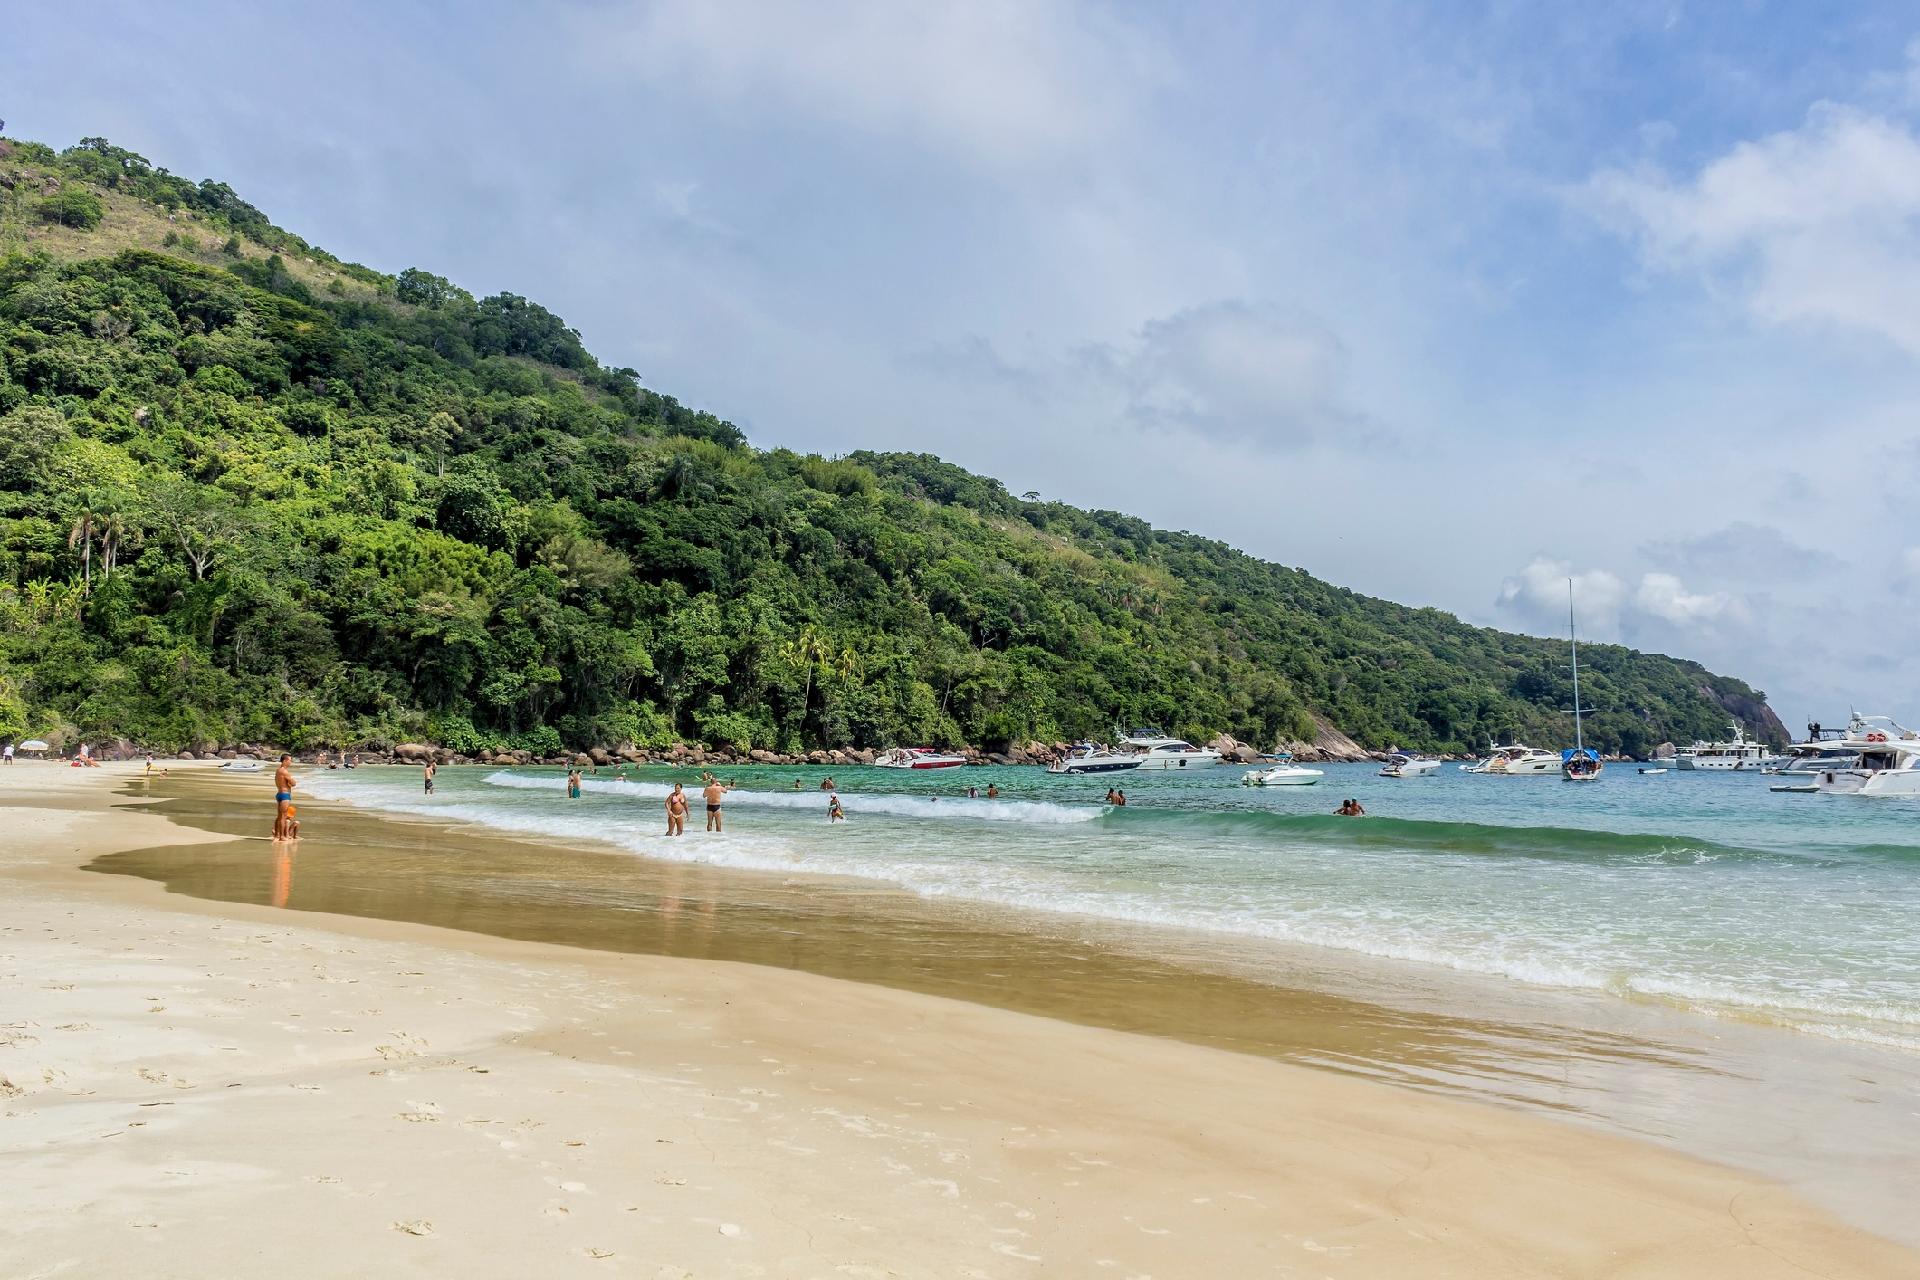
[1327, 744]
[1751, 711]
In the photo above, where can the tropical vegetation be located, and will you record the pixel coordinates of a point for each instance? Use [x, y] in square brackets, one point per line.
[250, 492]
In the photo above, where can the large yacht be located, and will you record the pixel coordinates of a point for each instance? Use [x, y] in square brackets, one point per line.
[1517, 761]
[1092, 757]
[1739, 752]
[1878, 757]
[919, 758]
[1156, 752]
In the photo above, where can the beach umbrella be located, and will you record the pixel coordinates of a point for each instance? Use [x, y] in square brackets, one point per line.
[34, 744]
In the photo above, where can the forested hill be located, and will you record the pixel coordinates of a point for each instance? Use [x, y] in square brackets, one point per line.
[249, 492]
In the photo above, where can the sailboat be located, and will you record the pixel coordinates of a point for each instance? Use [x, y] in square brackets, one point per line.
[1582, 763]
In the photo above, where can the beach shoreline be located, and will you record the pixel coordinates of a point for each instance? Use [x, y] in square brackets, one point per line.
[441, 1100]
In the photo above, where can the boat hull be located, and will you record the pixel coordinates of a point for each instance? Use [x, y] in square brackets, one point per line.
[1205, 760]
[1864, 782]
[1099, 766]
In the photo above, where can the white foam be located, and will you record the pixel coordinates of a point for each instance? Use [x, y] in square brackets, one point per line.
[1029, 812]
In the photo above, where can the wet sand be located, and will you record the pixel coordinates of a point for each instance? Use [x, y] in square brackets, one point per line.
[1150, 1155]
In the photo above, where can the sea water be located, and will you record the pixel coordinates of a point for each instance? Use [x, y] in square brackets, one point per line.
[1704, 891]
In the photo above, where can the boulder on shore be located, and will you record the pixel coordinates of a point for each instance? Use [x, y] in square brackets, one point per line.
[413, 752]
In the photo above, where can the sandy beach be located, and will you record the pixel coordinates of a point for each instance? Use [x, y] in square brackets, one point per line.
[198, 1088]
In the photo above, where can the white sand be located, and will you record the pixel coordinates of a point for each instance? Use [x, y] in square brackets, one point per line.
[207, 1090]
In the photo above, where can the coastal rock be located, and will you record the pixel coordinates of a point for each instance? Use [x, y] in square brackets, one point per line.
[600, 755]
[760, 755]
[581, 760]
[413, 752]
[1328, 745]
[188, 755]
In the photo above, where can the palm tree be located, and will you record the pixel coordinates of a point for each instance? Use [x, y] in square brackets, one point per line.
[82, 533]
[115, 534]
[809, 649]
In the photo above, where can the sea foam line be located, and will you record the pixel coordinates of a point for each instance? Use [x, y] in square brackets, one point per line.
[1029, 812]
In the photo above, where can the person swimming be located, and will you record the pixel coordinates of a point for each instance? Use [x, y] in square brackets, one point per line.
[1351, 809]
[993, 791]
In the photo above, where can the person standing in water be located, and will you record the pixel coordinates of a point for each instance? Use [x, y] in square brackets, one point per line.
[428, 777]
[676, 811]
[283, 799]
[834, 812]
[715, 792]
[573, 784]
[993, 791]
[1351, 809]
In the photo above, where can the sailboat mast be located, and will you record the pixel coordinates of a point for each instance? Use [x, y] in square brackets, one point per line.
[1573, 642]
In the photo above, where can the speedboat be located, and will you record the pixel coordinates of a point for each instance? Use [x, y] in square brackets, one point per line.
[918, 758]
[1285, 775]
[1518, 761]
[1402, 765]
[1738, 752]
[1092, 757]
[1169, 753]
[1878, 757]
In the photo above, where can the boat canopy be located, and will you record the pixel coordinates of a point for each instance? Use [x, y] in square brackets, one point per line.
[1579, 753]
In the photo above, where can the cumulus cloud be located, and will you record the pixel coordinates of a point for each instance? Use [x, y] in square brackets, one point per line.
[1819, 224]
[1611, 607]
[999, 80]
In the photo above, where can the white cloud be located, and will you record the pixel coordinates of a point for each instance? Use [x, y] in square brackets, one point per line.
[1611, 607]
[1661, 595]
[999, 80]
[1819, 224]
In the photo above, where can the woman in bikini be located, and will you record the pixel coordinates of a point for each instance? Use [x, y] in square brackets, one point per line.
[676, 811]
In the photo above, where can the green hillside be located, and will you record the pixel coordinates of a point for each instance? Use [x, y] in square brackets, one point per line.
[251, 492]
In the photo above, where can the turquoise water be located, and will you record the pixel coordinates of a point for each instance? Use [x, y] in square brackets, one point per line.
[1705, 891]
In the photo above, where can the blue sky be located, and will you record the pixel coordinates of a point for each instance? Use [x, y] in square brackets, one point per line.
[1441, 302]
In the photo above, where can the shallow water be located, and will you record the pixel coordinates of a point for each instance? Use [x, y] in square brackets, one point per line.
[1705, 891]
[988, 913]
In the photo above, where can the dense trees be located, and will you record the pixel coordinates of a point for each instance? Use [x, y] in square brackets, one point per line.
[231, 508]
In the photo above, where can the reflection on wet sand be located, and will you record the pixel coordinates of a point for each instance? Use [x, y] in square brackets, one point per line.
[1717, 1094]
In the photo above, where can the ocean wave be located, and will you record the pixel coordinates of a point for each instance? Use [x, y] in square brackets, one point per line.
[1028, 812]
[1422, 835]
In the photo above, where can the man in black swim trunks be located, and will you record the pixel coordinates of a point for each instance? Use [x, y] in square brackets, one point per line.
[715, 792]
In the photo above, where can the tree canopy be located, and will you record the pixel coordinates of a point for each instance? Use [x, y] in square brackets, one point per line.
[234, 506]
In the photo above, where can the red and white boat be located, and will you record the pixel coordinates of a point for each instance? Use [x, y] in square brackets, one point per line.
[918, 758]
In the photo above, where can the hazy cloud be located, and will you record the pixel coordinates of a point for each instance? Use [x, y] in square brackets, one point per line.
[997, 80]
[1743, 552]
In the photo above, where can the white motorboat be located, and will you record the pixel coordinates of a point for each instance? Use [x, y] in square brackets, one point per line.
[1285, 775]
[1878, 757]
[1169, 753]
[1651, 772]
[1402, 765]
[241, 766]
[1737, 753]
[1517, 761]
[1581, 763]
[918, 758]
[1092, 757]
